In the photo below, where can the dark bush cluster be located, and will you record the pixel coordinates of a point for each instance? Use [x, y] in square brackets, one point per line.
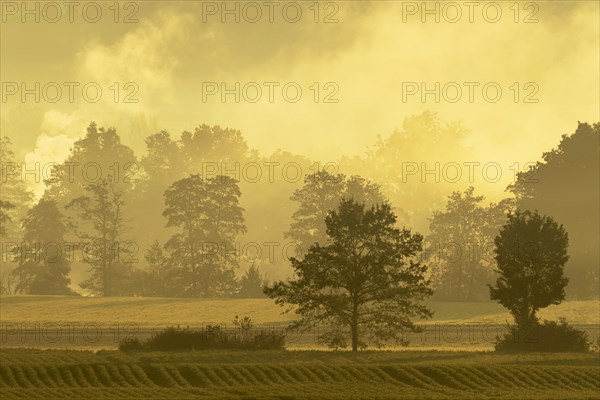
[549, 336]
[210, 337]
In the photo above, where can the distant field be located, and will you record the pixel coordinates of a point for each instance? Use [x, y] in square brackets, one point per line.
[97, 323]
[51, 374]
[160, 311]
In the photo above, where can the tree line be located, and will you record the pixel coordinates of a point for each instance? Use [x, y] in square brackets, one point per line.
[162, 226]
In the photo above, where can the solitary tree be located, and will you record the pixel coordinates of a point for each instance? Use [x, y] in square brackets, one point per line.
[531, 251]
[364, 284]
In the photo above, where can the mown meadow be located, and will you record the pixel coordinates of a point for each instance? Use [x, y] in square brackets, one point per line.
[54, 374]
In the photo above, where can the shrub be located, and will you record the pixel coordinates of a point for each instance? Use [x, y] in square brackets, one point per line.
[130, 344]
[211, 337]
[547, 337]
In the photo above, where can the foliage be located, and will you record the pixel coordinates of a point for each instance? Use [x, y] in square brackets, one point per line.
[321, 193]
[399, 163]
[106, 252]
[460, 246]
[546, 337]
[156, 279]
[531, 251]
[566, 185]
[5, 208]
[43, 258]
[15, 197]
[365, 284]
[210, 337]
[209, 217]
[252, 283]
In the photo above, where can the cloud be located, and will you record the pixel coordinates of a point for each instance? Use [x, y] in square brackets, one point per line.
[49, 150]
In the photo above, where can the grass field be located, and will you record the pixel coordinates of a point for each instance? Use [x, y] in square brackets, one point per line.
[52, 374]
[99, 323]
[158, 311]
[33, 323]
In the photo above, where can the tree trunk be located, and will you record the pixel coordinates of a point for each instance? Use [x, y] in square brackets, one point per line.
[354, 325]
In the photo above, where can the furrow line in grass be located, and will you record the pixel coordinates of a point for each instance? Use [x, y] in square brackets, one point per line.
[251, 379]
[442, 378]
[272, 375]
[88, 374]
[532, 378]
[103, 375]
[66, 376]
[20, 374]
[125, 372]
[174, 374]
[482, 375]
[139, 373]
[509, 378]
[211, 375]
[296, 373]
[54, 374]
[44, 377]
[284, 374]
[343, 373]
[360, 375]
[79, 376]
[116, 376]
[31, 375]
[403, 376]
[589, 380]
[234, 373]
[7, 378]
[420, 373]
[308, 373]
[194, 376]
[157, 374]
[562, 375]
[224, 375]
[499, 379]
[550, 379]
[335, 373]
[463, 377]
[590, 376]
[570, 379]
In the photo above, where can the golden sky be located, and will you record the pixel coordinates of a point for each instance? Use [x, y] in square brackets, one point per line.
[370, 57]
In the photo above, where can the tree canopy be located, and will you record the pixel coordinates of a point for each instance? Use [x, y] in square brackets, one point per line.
[365, 284]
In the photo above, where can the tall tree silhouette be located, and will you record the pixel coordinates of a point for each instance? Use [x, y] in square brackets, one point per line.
[410, 163]
[252, 283]
[5, 207]
[102, 226]
[43, 257]
[321, 193]
[99, 155]
[566, 185]
[366, 284]
[156, 279]
[15, 200]
[15, 197]
[460, 246]
[209, 217]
